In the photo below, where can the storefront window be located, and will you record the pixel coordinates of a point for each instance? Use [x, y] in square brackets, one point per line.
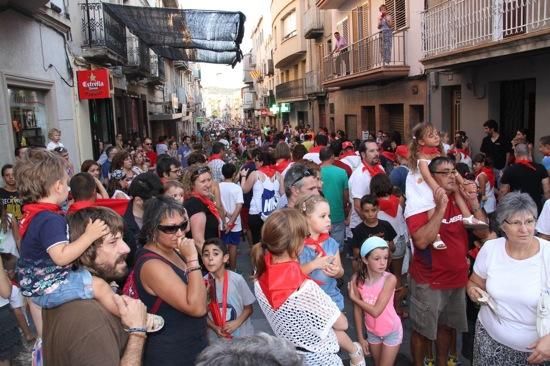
[28, 117]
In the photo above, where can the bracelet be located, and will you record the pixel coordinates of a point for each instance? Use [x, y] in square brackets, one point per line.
[136, 330]
[197, 268]
[139, 334]
[192, 260]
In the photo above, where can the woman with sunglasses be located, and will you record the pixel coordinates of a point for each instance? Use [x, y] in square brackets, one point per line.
[169, 282]
[204, 216]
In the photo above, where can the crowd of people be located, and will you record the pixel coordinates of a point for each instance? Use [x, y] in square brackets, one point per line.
[133, 259]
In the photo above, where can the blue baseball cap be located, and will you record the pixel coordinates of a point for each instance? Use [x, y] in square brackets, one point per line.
[372, 243]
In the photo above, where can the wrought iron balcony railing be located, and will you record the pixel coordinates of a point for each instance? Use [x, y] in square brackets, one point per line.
[368, 54]
[290, 90]
[104, 38]
[313, 23]
[454, 25]
[138, 56]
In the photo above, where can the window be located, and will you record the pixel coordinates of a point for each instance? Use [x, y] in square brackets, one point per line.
[289, 25]
[28, 116]
[398, 11]
[360, 17]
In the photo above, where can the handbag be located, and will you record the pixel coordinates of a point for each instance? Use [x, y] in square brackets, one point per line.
[543, 307]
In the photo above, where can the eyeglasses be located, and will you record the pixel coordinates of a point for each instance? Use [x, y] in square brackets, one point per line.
[518, 224]
[447, 173]
[305, 173]
[172, 229]
[176, 171]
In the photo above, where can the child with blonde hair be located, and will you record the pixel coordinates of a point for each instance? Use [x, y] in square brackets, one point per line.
[320, 261]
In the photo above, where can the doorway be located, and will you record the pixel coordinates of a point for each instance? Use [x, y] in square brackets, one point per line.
[517, 107]
[101, 123]
[368, 119]
[351, 126]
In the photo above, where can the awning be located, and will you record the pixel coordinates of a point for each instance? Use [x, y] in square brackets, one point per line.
[190, 35]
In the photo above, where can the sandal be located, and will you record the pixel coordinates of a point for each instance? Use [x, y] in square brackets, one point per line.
[154, 323]
[471, 222]
[439, 244]
[358, 354]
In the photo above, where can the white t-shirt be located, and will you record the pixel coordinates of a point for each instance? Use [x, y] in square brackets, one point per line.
[238, 296]
[7, 241]
[231, 195]
[52, 145]
[515, 285]
[314, 156]
[359, 185]
[543, 223]
[420, 197]
[352, 160]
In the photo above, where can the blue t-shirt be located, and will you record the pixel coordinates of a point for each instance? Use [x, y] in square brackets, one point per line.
[398, 177]
[546, 162]
[328, 284]
[106, 169]
[38, 274]
[184, 151]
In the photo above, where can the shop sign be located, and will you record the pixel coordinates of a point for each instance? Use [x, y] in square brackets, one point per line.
[274, 109]
[264, 112]
[93, 84]
[285, 107]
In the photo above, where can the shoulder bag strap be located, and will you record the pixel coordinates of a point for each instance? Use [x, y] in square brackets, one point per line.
[158, 301]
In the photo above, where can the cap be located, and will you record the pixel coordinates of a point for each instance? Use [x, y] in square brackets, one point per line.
[403, 151]
[346, 145]
[372, 243]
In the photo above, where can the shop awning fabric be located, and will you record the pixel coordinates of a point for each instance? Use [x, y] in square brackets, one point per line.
[188, 35]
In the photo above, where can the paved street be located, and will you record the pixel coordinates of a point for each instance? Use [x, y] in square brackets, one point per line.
[260, 323]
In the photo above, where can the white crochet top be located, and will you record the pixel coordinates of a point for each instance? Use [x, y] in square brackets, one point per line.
[305, 320]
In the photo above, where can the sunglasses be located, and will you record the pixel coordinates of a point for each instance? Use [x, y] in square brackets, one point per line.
[305, 173]
[201, 170]
[172, 229]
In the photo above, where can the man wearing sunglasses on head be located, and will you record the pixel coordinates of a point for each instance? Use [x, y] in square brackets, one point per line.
[299, 182]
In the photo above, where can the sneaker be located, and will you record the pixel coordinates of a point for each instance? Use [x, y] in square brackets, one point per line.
[429, 362]
[453, 361]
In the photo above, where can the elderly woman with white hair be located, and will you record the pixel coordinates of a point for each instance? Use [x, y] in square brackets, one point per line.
[507, 280]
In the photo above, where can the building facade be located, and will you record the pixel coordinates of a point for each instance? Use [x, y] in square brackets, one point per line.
[377, 81]
[488, 60]
[36, 77]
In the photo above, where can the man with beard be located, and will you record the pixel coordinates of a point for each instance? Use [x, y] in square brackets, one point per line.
[82, 332]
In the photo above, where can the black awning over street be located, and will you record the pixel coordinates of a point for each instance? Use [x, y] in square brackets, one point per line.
[189, 35]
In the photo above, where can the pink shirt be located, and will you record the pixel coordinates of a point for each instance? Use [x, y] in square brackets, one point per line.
[387, 322]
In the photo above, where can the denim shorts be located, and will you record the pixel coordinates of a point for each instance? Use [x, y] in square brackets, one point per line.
[77, 286]
[232, 238]
[393, 339]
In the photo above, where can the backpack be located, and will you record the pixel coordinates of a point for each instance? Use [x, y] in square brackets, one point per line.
[269, 199]
[130, 287]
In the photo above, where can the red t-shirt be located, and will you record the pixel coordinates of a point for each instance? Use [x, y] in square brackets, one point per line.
[152, 156]
[442, 269]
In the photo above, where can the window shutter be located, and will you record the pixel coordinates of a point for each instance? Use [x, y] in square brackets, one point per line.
[398, 11]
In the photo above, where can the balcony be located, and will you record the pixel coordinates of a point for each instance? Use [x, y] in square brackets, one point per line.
[313, 83]
[181, 65]
[456, 32]
[157, 70]
[104, 38]
[139, 61]
[366, 62]
[313, 23]
[291, 90]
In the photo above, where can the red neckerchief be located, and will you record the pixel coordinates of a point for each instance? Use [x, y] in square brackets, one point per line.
[473, 252]
[316, 149]
[430, 150]
[281, 165]
[388, 155]
[389, 205]
[268, 170]
[30, 210]
[219, 318]
[116, 204]
[210, 205]
[526, 163]
[489, 173]
[347, 153]
[373, 170]
[280, 280]
[215, 156]
[316, 244]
